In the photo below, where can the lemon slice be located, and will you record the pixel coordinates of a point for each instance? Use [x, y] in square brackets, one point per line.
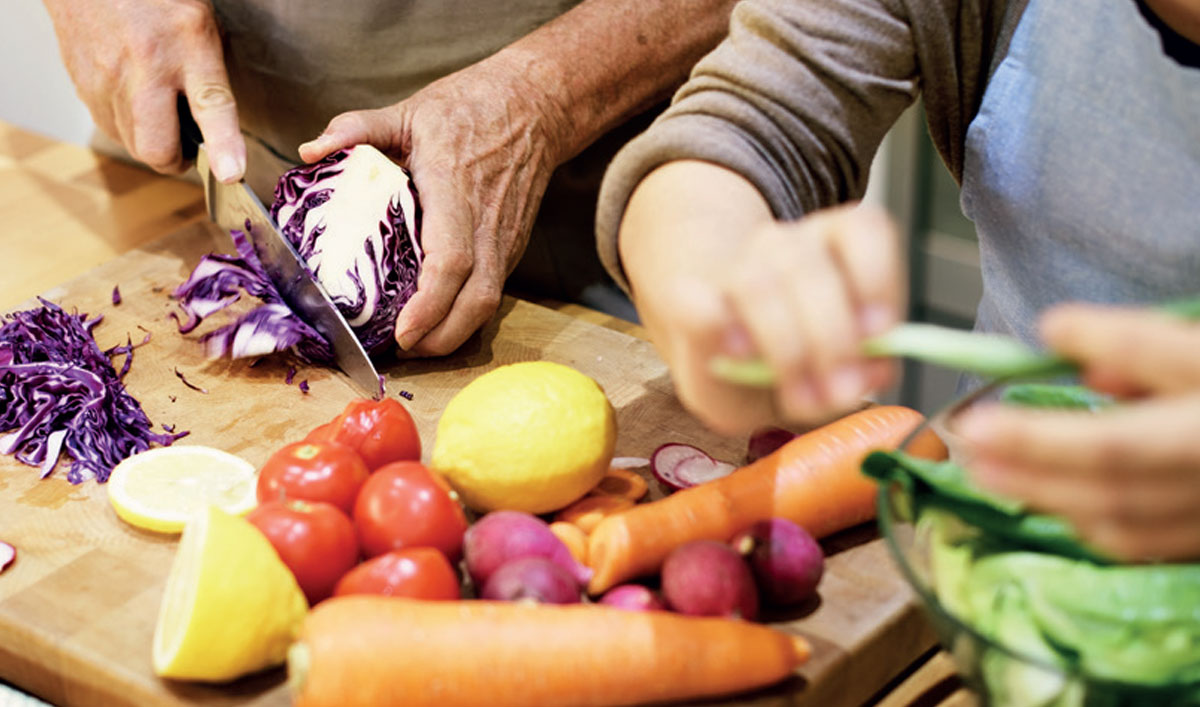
[161, 488]
[231, 606]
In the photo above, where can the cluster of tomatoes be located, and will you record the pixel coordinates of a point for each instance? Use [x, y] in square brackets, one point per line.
[350, 509]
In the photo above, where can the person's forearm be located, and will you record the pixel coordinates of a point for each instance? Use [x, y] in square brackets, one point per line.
[686, 218]
[604, 61]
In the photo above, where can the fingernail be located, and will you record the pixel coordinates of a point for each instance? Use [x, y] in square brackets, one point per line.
[228, 168]
[319, 144]
[406, 340]
[845, 386]
[875, 319]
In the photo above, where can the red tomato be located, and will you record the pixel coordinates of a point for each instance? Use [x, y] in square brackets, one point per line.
[404, 504]
[315, 540]
[416, 573]
[313, 471]
[381, 431]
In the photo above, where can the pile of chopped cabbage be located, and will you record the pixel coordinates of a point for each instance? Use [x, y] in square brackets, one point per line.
[60, 392]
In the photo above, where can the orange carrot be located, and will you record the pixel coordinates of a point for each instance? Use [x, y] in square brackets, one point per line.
[374, 650]
[813, 480]
[621, 482]
[587, 512]
[573, 537]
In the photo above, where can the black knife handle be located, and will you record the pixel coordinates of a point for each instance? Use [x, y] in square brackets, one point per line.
[190, 137]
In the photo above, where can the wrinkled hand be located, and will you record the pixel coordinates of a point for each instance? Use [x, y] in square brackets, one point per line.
[481, 154]
[802, 296]
[130, 59]
[1129, 478]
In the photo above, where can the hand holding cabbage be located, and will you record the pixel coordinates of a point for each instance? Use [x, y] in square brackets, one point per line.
[481, 151]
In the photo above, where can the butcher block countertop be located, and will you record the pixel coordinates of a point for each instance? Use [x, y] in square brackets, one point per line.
[77, 608]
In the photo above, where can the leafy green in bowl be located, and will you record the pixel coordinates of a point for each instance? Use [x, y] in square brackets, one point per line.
[1031, 613]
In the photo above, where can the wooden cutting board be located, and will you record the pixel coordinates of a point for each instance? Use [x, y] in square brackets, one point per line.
[77, 609]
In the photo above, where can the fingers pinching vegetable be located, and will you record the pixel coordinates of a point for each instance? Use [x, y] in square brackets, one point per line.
[1127, 476]
[809, 292]
[1126, 473]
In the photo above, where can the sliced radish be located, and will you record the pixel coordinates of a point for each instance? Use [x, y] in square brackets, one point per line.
[765, 441]
[629, 462]
[682, 466]
[8, 553]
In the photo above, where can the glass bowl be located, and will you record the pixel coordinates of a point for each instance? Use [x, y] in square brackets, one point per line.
[992, 659]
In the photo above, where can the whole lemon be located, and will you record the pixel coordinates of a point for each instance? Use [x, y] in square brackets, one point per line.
[531, 437]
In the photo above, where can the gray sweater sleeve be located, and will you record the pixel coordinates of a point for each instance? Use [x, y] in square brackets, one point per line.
[800, 94]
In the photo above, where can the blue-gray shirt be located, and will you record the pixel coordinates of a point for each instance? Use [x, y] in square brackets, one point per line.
[1082, 169]
[1075, 137]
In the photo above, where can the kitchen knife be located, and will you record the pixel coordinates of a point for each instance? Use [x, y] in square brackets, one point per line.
[236, 207]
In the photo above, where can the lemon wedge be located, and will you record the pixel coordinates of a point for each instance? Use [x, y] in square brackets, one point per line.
[161, 488]
[231, 606]
[532, 436]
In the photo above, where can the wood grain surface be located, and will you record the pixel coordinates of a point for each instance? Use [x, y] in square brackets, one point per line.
[77, 608]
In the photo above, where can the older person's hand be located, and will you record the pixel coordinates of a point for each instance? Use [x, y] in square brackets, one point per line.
[481, 148]
[1129, 478]
[131, 59]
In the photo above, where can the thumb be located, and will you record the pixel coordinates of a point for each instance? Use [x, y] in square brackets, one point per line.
[378, 127]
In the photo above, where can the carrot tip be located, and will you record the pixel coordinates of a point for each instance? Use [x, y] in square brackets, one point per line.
[745, 545]
[299, 660]
[802, 647]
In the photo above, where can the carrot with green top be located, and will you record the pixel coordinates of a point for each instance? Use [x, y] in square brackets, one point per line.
[814, 480]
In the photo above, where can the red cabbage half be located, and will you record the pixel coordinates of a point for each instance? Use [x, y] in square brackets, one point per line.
[355, 218]
[59, 391]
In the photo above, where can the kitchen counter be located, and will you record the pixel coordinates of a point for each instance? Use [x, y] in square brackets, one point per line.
[68, 210]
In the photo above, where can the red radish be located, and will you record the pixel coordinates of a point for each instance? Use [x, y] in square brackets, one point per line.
[682, 466]
[502, 536]
[707, 578]
[532, 578]
[787, 562]
[765, 441]
[633, 597]
[8, 553]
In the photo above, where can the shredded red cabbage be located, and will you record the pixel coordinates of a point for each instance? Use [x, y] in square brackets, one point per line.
[193, 386]
[8, 553]
[355, 218]
[60, 392]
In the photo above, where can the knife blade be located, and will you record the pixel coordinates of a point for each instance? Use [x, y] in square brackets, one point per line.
[235, 206]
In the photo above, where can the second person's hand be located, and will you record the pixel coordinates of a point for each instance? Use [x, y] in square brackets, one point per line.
[481, 151]
[1129, 477]
[714, 275]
